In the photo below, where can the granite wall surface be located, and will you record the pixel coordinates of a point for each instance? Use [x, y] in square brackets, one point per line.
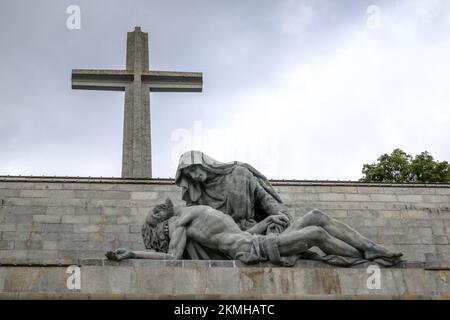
[61, 220]
[190, 279]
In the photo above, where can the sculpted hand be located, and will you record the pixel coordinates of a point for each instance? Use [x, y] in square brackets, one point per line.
[119, 254]
[274, 228]
[277, 223]
[280, 219]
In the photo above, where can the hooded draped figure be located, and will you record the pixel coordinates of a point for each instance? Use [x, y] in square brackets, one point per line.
[235, 188]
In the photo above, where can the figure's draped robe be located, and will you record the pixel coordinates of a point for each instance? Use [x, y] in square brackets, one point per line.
[238, 194]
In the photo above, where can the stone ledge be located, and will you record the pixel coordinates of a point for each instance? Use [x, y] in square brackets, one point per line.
[202, 282]
[152, 296]
[239, 264]
[170, 181]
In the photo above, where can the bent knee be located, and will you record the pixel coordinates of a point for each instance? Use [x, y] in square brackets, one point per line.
[316, 233]
[317, 218]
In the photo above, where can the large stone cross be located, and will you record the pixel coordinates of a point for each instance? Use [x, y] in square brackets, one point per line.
[137, 82]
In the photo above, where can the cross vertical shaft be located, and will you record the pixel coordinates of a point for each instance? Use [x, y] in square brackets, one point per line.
[136, 156]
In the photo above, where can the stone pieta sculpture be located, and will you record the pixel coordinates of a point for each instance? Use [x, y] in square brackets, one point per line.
[172, 227]
[233, 212]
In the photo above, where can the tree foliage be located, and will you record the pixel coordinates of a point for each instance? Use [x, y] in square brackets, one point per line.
[402, 167]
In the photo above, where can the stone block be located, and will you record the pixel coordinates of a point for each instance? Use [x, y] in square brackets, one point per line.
[46, 219]
[60, 211]
[445, 199]
[357, 197]
[313, 189]
[316, 281]
[102, 195]
[150, 195]
[391, 214]
[96, 279]
[438, 229]
[252, 280]
[13, 255]
[101, 236]
[72, 245]
[85, 228]
[88, 210]
[42, 255]
[70, 256]
[371, 190]
[18, 219]
[442, 191]
[383, 197]
[116, 211]
[75, 219]
[74, 236]
[50, 236]
[189, 280]
[410, 198]
[9, 193]
[440, 240]
[28, 245]
[155, 280]
[378, 222]
[6, 244]
[110, 203]
[123, 220]
[97, 219]
[222, 281]
[8, 227]
[140, 212]
[31, 210]
[414, 214]
[16, 185]
[59, 228]
[344, 189]
[50, 245]
[116, 228]
[331, 197]
[422, 222]
[44, 193]
[34, 193]
[47, 186]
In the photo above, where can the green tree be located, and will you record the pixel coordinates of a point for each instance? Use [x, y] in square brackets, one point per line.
[402, 167]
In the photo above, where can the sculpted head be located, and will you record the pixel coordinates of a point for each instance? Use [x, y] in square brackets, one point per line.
[160, 213]
[155, 230]
[196, 172]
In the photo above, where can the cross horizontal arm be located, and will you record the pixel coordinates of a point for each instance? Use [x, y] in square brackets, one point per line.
[113, 80]
[169, 81]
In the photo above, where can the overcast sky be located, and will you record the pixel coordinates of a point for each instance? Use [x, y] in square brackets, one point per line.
[299, 89]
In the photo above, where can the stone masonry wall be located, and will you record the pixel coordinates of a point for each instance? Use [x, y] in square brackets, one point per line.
[62, 220]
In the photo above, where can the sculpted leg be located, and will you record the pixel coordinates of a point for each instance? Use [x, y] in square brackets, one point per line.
[298, 241]
[345, 233]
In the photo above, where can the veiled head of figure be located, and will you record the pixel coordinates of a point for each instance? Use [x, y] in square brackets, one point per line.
[196, 172]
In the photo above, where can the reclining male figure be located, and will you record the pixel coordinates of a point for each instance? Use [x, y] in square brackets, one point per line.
[218, 231]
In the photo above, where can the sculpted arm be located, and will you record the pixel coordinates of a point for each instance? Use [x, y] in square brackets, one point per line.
[177, 245]
[278, 218]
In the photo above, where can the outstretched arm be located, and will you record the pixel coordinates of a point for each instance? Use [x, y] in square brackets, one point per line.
[176, 246]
